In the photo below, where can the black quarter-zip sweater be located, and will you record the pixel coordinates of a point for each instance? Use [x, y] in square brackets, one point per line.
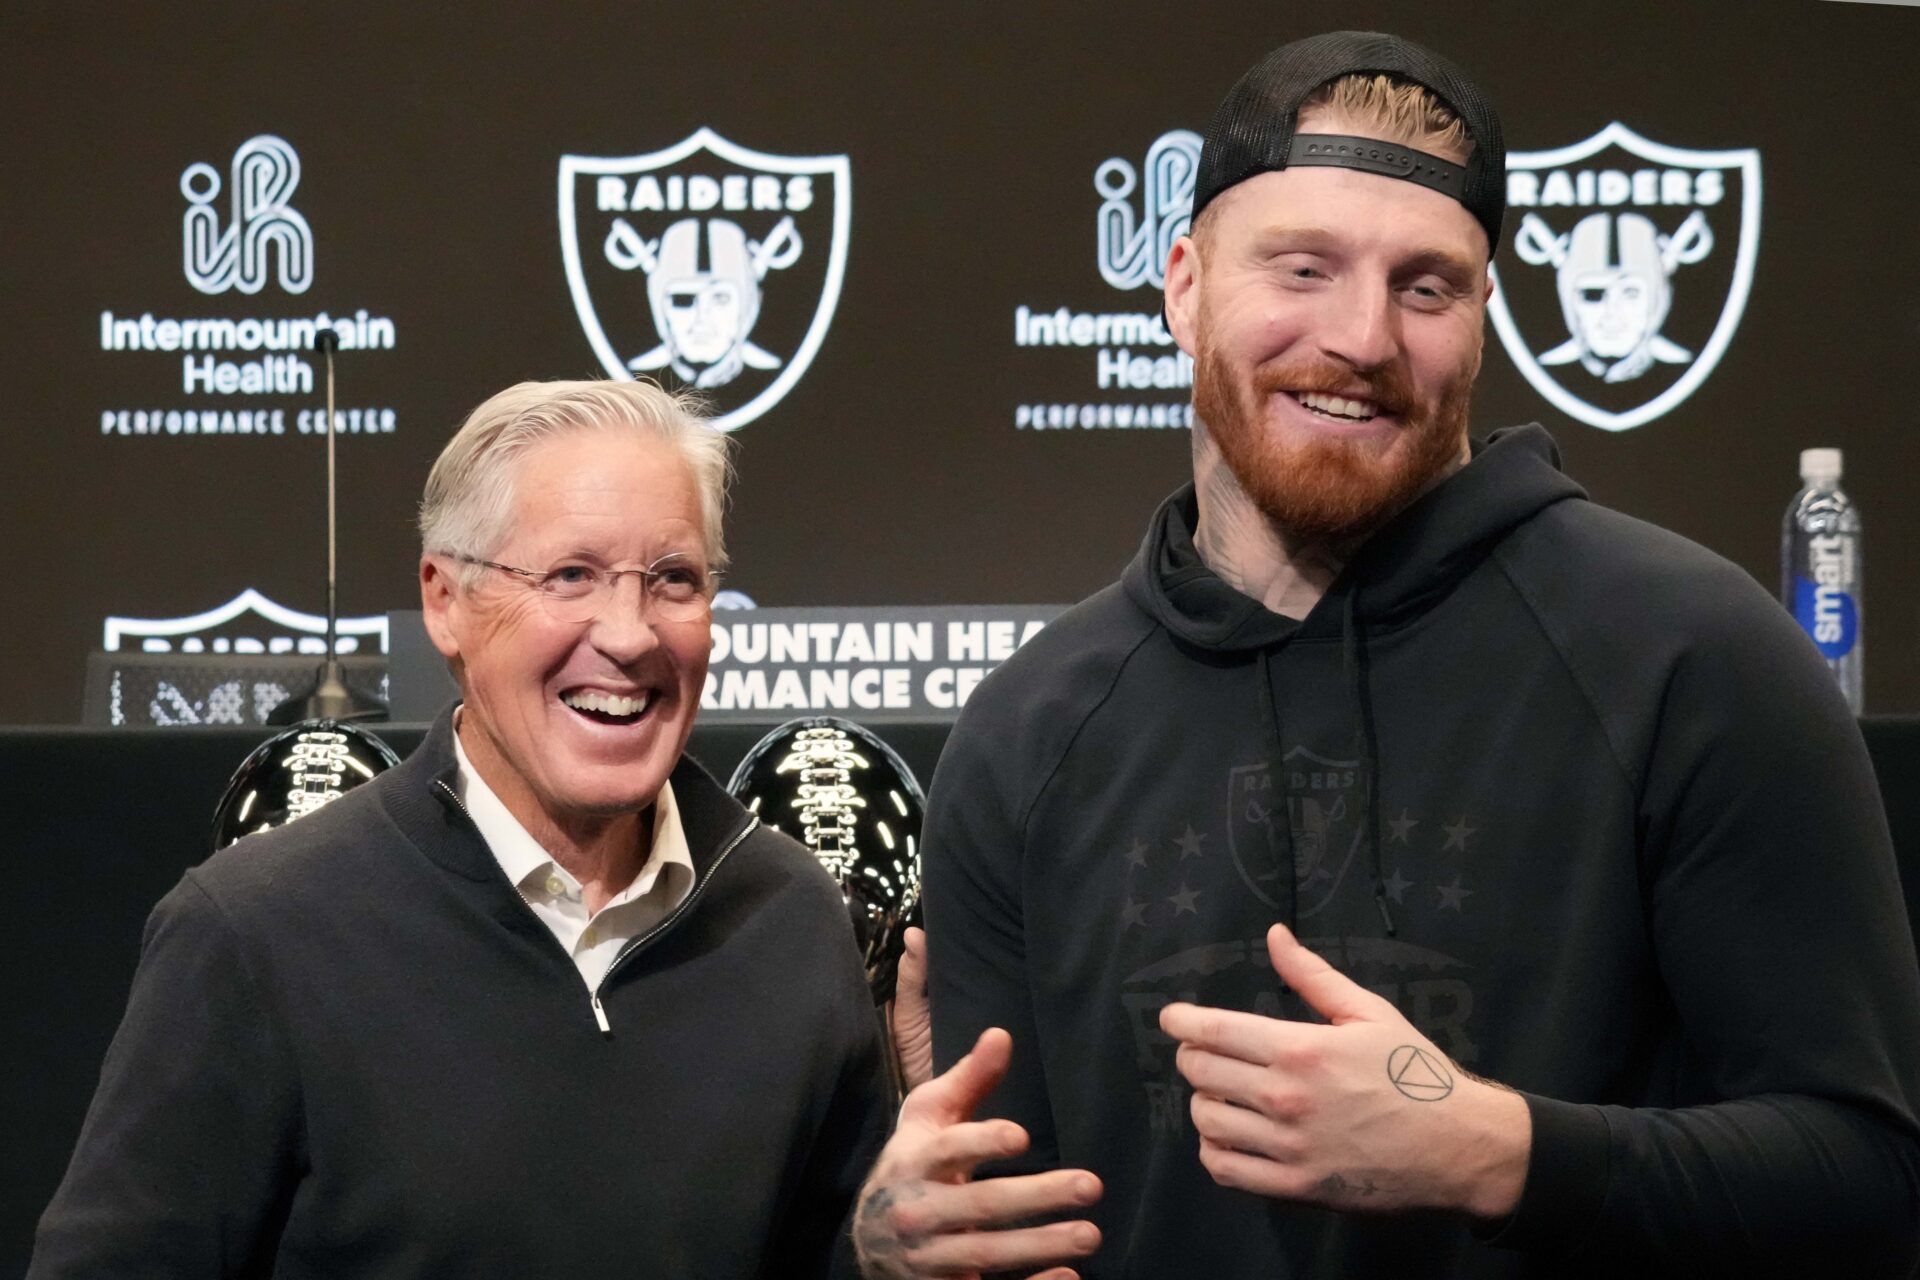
[351, 1049]
[1572, 792]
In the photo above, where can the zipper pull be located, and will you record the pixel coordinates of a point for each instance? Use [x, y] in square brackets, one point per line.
[600, 1016]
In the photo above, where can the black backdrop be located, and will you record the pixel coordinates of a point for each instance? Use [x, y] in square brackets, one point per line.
[429, 141]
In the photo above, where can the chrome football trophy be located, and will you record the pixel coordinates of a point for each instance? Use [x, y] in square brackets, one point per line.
[854, 803]
[293, 773]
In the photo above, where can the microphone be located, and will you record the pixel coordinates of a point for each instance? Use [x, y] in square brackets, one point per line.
[330, 698]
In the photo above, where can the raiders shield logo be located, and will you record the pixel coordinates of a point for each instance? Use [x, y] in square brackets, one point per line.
[1627, 272]
[707, 263]
[249, 623]
[1321, 801]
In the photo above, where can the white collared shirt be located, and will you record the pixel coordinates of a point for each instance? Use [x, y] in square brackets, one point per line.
[665, 879]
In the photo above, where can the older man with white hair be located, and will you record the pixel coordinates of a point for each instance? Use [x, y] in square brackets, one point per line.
[542, 1001]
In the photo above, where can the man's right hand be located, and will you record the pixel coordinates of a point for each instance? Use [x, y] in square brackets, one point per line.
[921, 1214]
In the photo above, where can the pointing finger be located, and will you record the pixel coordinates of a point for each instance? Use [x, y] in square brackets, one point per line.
[1326, 990]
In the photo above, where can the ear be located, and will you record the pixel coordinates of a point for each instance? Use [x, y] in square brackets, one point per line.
[440, 600]
[1182, 291]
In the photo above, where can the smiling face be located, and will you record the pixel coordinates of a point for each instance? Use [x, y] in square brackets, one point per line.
[573, 723]
[1335, 319]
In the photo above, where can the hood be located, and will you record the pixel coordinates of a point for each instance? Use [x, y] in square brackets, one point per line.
[1398, 573]
[1403, 570]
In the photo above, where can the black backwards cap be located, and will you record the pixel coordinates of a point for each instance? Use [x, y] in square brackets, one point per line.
[1252, 130]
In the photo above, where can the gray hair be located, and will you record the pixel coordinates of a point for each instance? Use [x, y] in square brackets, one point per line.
[467, 509]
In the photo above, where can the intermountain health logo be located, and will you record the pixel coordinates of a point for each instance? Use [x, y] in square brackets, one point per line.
[265, 172]
[1133, 242]
[1628, 271]
[709, 263]
[1126, 371]
[251, 371]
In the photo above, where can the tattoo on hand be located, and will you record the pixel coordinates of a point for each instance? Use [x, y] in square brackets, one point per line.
[1419, 1075]
[1335, 1187]
[877, 1241]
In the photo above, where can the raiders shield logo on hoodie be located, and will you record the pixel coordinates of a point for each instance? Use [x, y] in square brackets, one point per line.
[708, 264]
[1319, 798]
[1627, 271]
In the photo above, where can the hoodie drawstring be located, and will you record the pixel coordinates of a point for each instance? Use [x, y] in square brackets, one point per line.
[1354, 664]
[1354, 660]
[1279, 812]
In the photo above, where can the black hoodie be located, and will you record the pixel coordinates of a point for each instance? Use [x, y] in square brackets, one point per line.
[1572, 792]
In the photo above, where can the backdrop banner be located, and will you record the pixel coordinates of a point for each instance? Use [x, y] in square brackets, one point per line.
[868, 664]
[911, 256]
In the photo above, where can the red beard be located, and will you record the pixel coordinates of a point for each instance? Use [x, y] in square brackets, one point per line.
[1325, 489]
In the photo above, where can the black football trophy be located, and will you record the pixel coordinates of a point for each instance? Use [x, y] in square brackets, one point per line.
[843, 793]
[293, 773]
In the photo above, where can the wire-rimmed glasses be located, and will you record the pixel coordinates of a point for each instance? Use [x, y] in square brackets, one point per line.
[673, 588]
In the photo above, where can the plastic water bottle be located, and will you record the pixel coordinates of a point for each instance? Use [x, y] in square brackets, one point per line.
[1820, 568]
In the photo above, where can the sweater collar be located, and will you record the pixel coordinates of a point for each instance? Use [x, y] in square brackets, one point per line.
[421, 796]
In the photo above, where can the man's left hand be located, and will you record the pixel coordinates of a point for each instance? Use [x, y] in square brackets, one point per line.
[1364, 1115]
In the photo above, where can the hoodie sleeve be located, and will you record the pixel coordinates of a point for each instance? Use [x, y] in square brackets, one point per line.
[189, 1153]
[1778, 926]
[972, 853]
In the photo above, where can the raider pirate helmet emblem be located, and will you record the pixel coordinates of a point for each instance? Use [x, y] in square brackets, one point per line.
[1319, 799]
[1614, 272]
[1629, 271]
[707, 262]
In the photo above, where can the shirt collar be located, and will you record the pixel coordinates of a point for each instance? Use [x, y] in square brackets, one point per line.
[522, 857]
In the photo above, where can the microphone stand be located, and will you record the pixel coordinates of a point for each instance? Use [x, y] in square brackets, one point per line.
[330, 698]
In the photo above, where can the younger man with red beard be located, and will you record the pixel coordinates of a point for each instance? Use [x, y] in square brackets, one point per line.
[1392, 760]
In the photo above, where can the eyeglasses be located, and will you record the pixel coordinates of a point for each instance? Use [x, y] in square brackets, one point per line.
[673, 588]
